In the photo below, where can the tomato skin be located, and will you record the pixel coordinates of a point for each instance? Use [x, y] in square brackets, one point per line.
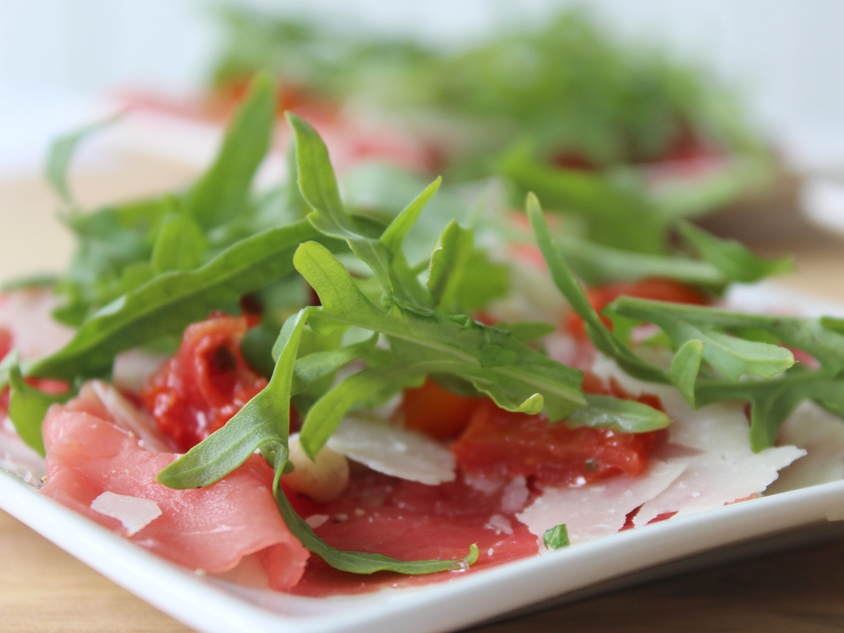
[204, 384]
[5, 342]
[502, 444]
[655, 288]
[435, 411]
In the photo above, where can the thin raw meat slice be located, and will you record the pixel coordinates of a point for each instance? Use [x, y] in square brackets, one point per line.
[408, 520]
[210, 529]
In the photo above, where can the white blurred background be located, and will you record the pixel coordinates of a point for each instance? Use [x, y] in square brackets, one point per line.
[58, 58]
[784, 55]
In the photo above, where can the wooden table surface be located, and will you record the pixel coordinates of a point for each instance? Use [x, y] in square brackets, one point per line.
[42, 589]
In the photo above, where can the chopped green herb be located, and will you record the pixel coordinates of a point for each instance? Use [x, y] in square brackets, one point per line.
[557, 537]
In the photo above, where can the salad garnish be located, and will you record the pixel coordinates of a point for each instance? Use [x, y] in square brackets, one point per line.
[384, 320]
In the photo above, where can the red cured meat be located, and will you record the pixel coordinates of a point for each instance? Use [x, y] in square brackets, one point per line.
[411, 521]
[210, 529]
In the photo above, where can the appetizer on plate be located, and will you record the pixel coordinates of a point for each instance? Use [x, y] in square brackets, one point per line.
[329, 396]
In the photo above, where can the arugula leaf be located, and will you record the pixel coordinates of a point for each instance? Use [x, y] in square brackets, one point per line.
[224, 189]
[819, 337]
[772, 401]
[28, 407]
[110, 240]
[697, 258]
[614, 214]
[417, 332]
[515, 376]
[760, 373]
[121, 247]
[363, 562]
[734, 345]
[173, 300]
[384, 256]
[731, 257]
[624, 416]
[462, 279]
[556, 537]
[601, 336]
[61, 153]
[714, 335]
[685, 367]
[179, 245]
[596, 264]
[732, 356]
[263, 422]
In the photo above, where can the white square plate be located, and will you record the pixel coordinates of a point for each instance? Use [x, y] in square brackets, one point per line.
[209, 604]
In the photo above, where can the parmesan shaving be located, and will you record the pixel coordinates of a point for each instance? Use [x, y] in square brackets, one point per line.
[128, 417]
[134, 513]
[822, 435]
[599, 508]
[394, 451]
[720, 466]
[714, 479]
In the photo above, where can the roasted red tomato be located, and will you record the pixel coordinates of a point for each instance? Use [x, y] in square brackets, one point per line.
[436, 411]
[501, 444]
[204, 384]
[654, 288]
[5, 342]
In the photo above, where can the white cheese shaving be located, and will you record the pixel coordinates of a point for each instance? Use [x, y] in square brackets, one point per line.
[127, 416]
[712, 480]
[822, 435]
[500, 524]
[134, 513]
[315, 520]
[394, 451]
[515, 495]
[485, 485]
[132, 368]
[600, 508]
[721, 467]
